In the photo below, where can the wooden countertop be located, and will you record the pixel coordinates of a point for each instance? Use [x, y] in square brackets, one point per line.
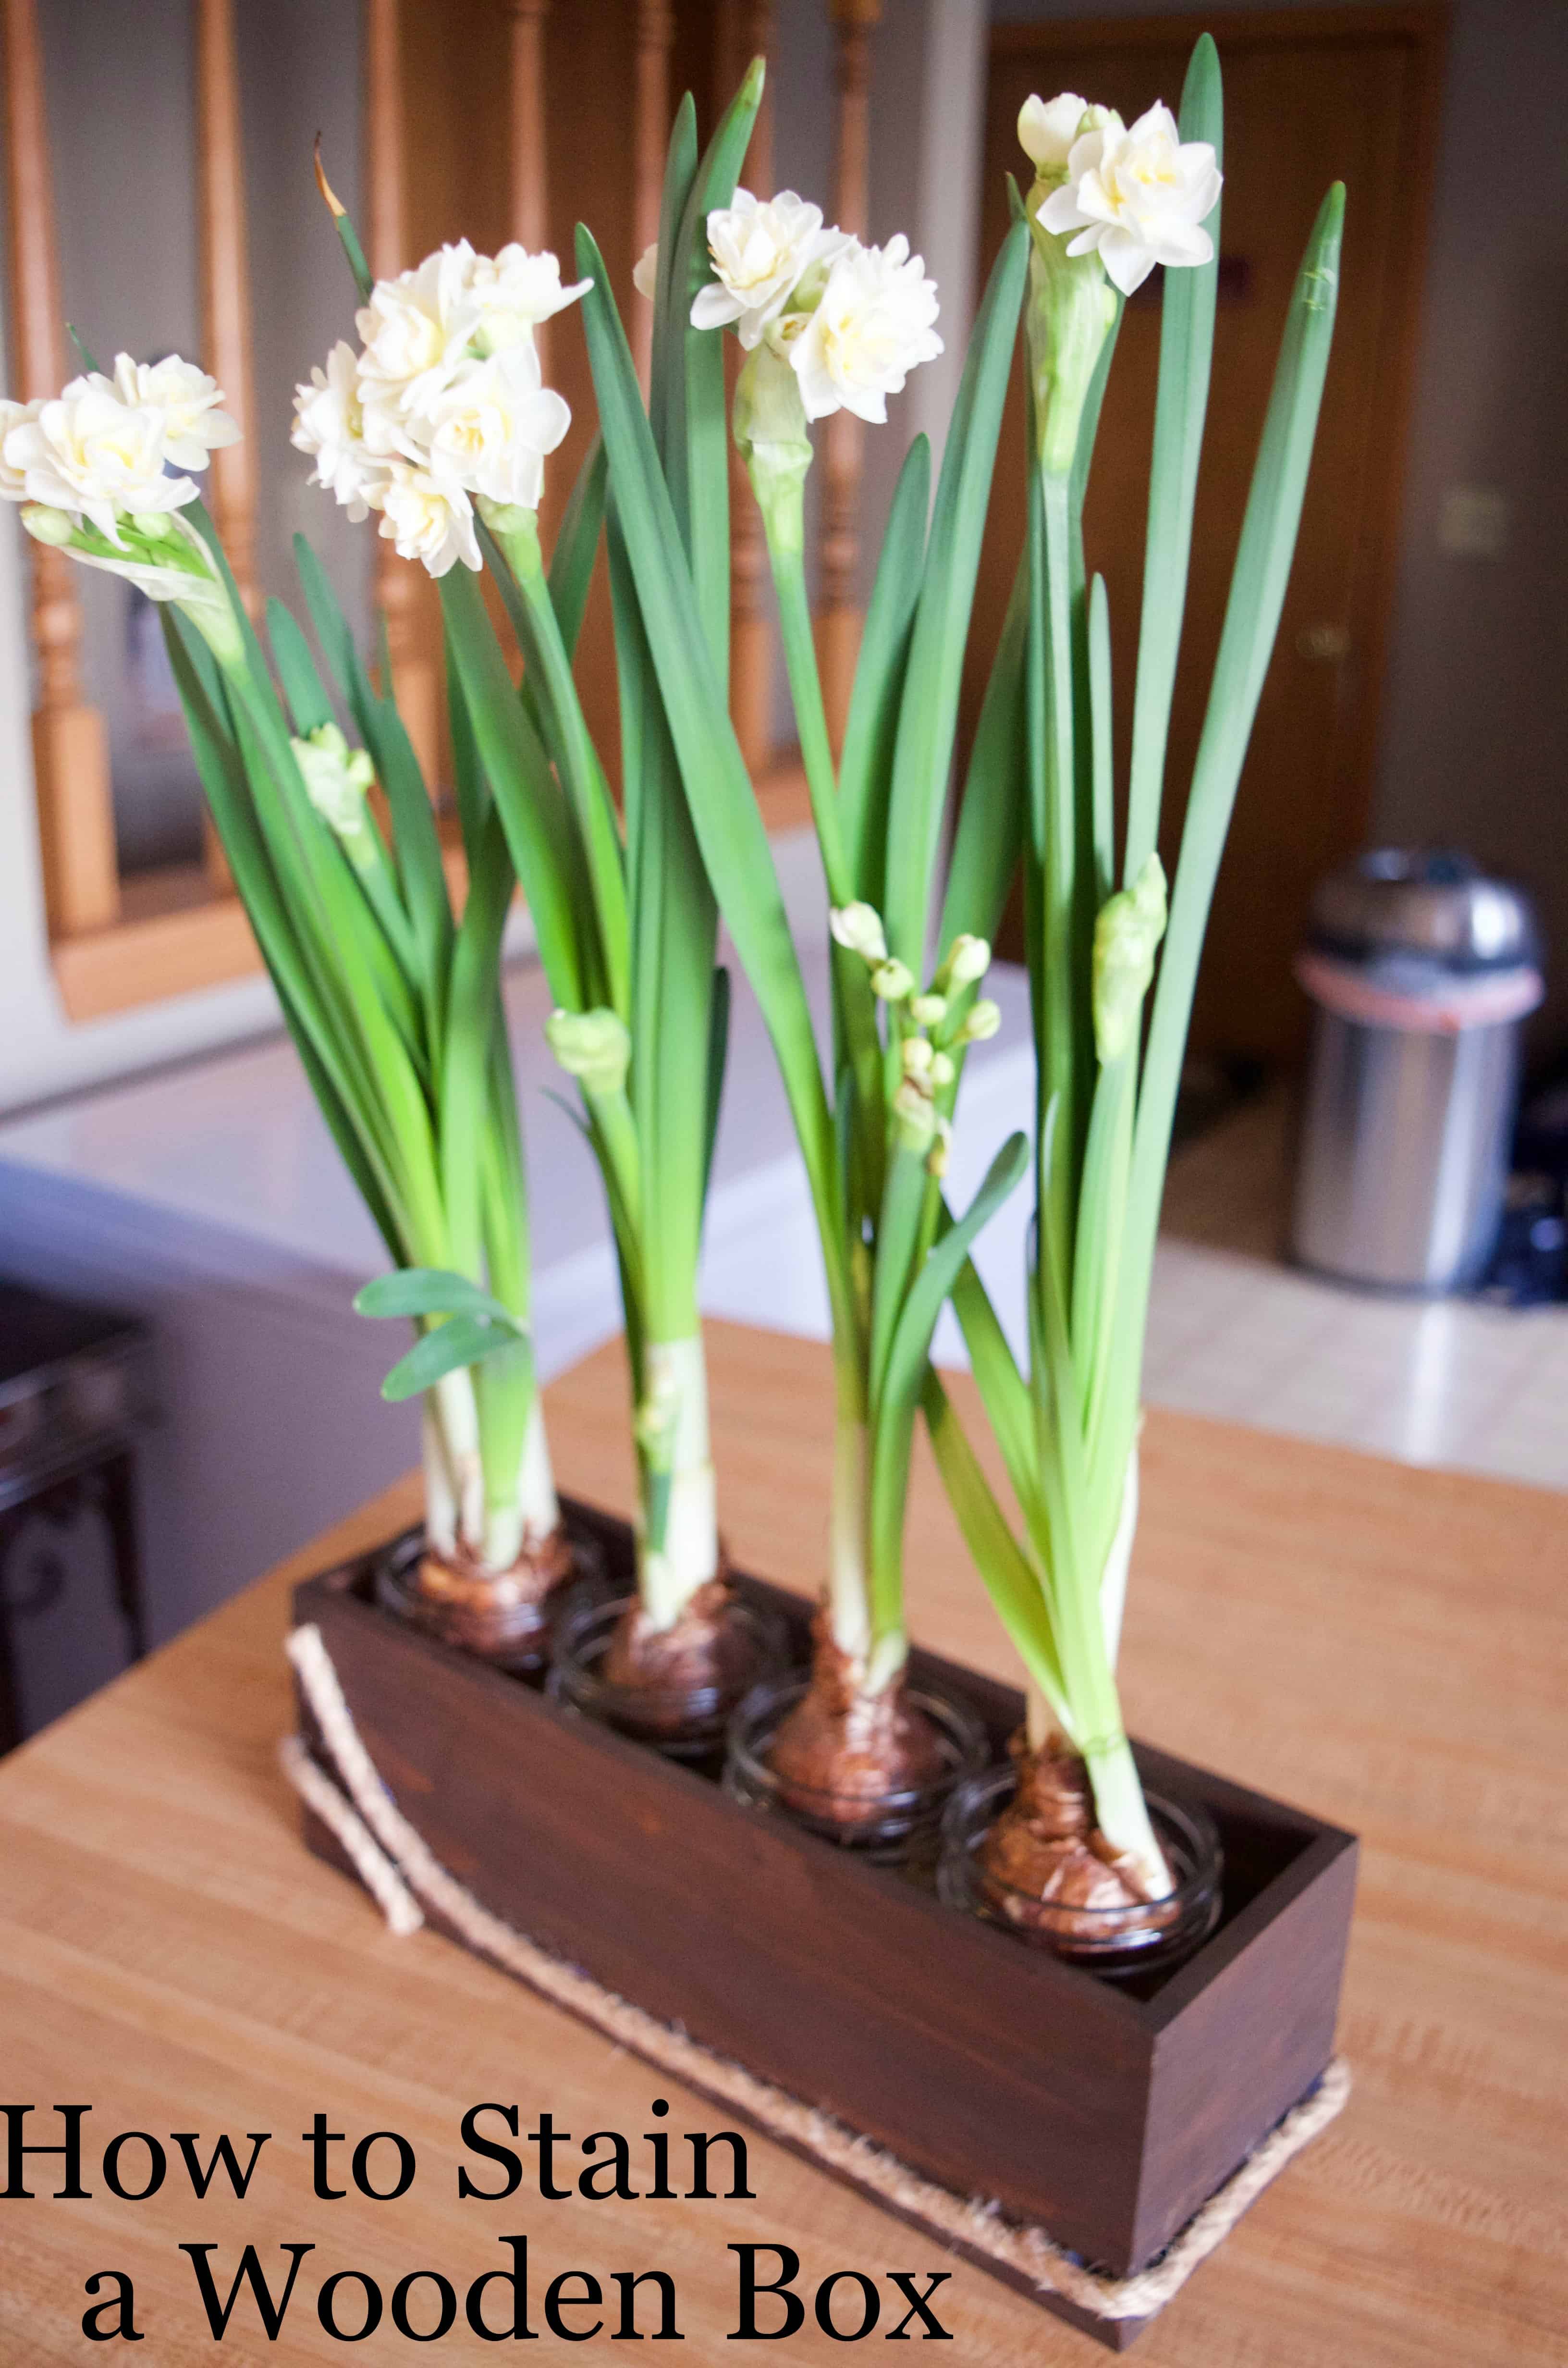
[1380, 1644]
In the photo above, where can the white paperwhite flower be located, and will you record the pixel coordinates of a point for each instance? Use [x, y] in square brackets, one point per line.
[337, 778]
[91, 454]
[195, 424]
[761, 250]
[489, 427]
[329, 423]
[512, 292]
[1139, 195]
[645, 272]
[427, 517]
[858, 928]
[415, 330]
[13, 486]
[871, 327]
[1048, 127]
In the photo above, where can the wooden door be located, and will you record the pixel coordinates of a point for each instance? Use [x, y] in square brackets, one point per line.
[1308, 98]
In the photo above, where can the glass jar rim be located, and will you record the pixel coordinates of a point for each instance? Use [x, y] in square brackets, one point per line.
[972, 1809]
[758, 1716]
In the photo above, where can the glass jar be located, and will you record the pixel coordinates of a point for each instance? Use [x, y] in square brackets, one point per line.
[498, 1622]
[892, 1828]
[1116, 1942]
[684, 1722]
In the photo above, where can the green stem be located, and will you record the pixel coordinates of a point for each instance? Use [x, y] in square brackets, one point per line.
[783, 508]
[517, 533]
[678, 1549]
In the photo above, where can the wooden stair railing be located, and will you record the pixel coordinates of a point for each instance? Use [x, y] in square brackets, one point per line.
[838, 619]
[71, 767]
[399, 587]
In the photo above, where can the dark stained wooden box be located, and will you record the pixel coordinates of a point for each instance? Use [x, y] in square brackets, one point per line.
[1105, 2117]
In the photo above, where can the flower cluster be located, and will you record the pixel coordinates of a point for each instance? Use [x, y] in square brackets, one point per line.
[443, 405]
[95, 456]
[1136, 196]
[932, 1025]
[852, 321]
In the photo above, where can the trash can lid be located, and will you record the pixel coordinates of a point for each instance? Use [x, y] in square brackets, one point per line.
[1432, 904]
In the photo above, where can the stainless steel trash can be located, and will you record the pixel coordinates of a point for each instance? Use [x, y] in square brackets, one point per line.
[1421, 970]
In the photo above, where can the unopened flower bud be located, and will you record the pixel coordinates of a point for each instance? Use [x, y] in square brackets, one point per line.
[982, 1021]
[152, 525]
[858, 928]
[929, 1010]
[54, 526]
[968, 960]
[337, 778]
[645, 272]
[916, 1056]
[937, 1157]
[942, 1070]
[595, 1047]
[1126, 933]
[892, 980]
[913, 1115]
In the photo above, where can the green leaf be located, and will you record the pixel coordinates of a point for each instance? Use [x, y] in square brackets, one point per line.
[1011, 1580]
[415, 834]
[462, 1340]
[694, 446]
[577, 767]
[1101, 753]
[989, 837]
[429, 1291]
[724, 806]
[538, 822]
[1003, 1389]
[894, 1419]
[578, 546]
[718, 1056]
[929, 716]
[1187, 345]
[309, 706]
[870, 732]
[1252, 619]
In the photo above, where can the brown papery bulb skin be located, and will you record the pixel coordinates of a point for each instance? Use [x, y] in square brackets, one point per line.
[841, 1750]
[1045, 1864]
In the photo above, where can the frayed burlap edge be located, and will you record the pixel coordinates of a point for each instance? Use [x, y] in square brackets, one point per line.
[401, 1873]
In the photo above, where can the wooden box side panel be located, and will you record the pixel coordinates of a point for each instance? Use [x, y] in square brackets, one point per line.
[1247, 2045]
[996, 2073]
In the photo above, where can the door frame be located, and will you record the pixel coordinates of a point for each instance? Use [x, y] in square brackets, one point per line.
[1422, 26]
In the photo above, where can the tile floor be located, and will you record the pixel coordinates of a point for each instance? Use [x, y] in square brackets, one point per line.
[1443, 1382]
[1235, 1333]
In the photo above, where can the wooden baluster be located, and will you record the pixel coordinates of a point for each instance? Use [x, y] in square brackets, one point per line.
[746, 30]
[226, 282]
[844, 438]
[651, 132]
[398, 587]
[225, 313]
[71, 767]
[530, 179]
